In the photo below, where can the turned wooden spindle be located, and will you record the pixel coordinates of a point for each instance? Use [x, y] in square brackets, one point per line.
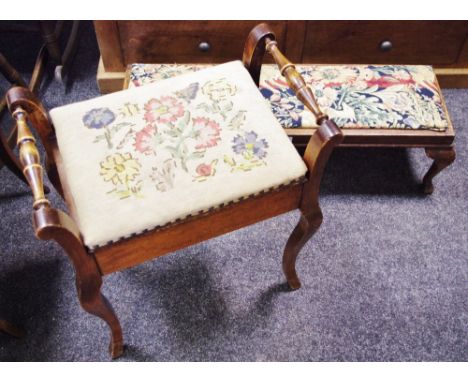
[30, 159]
[295, 80]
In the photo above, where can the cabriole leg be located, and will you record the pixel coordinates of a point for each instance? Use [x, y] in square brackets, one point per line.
[305, 229]
[443, 157]
[53, 224]
[95, 303]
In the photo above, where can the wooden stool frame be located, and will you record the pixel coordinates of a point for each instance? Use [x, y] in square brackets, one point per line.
[52, 224]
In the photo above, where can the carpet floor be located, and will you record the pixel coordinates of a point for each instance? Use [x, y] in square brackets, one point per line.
[384, 279]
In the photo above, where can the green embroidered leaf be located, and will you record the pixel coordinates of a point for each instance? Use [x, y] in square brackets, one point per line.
[196, 155]
[206, 107]
[184, 165]
[127, 137]
[174, 133]
[183, 150]
[226, 107]
[174, 152]
[99, 138]
[238, 120]
[157, 139]
[183, 122]
[249, 165]
[118, 126]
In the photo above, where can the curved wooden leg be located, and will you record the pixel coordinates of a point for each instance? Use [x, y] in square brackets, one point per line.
[53, 224]
[95, 303]
[305, 229]
[443, 157]
[10, 329]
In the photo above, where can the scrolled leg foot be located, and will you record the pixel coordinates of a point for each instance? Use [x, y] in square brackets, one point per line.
[305, 229]
[443, 157]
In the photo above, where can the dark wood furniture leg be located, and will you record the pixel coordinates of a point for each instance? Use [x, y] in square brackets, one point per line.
[50, 31]
[51, 224]
[10, 329]
[316, 156]
[443, 157]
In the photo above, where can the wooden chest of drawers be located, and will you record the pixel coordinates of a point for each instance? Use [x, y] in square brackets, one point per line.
[194, 41]
[443, 44]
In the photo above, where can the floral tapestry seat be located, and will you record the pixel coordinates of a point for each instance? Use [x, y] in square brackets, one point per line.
[149, 156]
[357, 96]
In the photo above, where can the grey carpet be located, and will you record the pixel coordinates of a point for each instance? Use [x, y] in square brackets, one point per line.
[385, 278]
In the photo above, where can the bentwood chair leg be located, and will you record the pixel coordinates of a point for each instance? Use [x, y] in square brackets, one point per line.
[51, 32]
[443, 157]
[68, 53]
[305, 229]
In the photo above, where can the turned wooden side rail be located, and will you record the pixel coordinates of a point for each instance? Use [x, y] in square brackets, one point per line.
[30, 159]
[295, 81]
[321, 144]
[262, 38]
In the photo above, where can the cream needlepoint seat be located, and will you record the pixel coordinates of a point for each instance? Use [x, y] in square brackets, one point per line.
[145, 157]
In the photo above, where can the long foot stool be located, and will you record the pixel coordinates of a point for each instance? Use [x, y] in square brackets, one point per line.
[376, 105]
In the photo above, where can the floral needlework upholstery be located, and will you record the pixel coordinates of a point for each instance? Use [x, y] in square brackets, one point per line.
[145, 157]
[358, 96]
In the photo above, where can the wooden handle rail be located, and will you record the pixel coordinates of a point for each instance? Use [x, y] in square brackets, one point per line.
[30, 159]
[295, 80]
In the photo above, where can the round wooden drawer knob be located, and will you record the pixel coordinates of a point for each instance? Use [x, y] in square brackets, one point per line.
[386, 46]
[204, 46]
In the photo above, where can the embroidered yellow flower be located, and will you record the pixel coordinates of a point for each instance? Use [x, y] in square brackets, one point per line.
[219, 90]
[120, 168]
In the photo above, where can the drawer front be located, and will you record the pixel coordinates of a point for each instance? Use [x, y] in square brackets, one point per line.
[382, 42]
[187, 41]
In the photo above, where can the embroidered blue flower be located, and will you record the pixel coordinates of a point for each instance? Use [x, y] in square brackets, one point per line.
[249, 146]
[98, 118]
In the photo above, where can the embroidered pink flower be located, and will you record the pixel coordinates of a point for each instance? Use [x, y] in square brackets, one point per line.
[204, 169]
[206, 132]
[387, 81]
[164, 110]
[144, 140]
